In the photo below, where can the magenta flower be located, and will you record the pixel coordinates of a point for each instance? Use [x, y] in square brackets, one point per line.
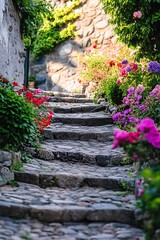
[131, 90]
[38, 91]
[137, 14]
[146, 125]
[120, 136]
[133, 136]
[140, 192]
[153, 137]
[138, 182]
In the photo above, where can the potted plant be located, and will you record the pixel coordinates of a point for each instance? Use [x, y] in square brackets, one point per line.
[31, 81]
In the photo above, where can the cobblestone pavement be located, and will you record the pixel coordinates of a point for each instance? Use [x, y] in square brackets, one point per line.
[11, 229]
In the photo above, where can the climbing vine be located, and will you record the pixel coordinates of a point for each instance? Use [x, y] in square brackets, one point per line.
[44, 27]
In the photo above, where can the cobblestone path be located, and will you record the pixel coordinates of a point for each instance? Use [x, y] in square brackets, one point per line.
[76, 187]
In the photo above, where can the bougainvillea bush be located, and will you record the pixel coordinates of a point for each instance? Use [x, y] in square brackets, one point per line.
[21, 119]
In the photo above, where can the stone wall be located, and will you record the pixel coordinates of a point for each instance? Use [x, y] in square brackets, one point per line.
[59, 70]
[11, 46]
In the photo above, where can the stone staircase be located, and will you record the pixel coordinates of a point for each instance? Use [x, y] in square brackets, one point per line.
[76, 186]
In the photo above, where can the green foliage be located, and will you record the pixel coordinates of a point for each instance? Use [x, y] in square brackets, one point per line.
[43, 28]
[17, 125]
[149, 202]
[140, 32]
[55, 29]
[17, 166]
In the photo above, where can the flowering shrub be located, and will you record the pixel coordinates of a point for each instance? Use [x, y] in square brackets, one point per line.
[131, 74]
[101, 66]
[136, 107]
[149, 201]
[21, 115]
[142, 145]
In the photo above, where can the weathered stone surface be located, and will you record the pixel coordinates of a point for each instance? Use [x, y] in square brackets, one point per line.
[67, 205]
[11, 47]
[75, 132]
[70, 100]
[14, 229]
[101, 25]
[63, 174]
[80, 151]
[66, 49]
[84, 119]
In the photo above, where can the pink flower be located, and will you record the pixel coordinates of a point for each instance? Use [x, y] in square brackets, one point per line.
[137, 14]
[134, 67]
[133, 136]
[120, 136]
[146, 125]
[153, 137]
[37, 91]
[138, 182]
[123, 72]
[140, 192]
[139, 89]
[118, 81]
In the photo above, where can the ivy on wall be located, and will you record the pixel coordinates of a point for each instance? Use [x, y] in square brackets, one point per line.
[44, 27]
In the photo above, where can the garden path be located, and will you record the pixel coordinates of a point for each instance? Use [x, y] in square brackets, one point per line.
[76, 186]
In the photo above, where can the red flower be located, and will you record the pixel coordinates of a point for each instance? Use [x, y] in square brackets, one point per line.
[94, 46]
[29, 95]
[15, 84]
[4, 80]
[119, 64]
[112, 63]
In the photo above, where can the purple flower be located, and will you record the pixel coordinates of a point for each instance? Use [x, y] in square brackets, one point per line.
[128, 68]
[142, 108]
[124, 61]
[131, 90]
[153, 67]
[156, 92]
[116, 116]
[140, 88]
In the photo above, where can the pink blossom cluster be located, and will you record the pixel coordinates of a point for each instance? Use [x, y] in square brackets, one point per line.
[137, 14]
[155, 93]
[150, 131]
[146, 130]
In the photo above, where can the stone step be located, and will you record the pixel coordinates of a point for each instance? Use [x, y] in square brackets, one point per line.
[70, 99]
[74, 95]
[14, 229]
[84, 119]
[84, 152]
[68, 175]
[77, 132]
[67, 205]
[75, 107]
